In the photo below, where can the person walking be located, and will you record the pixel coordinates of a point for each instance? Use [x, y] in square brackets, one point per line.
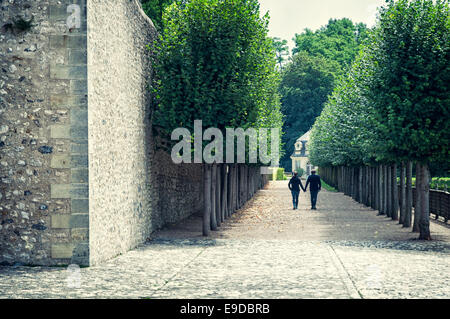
[314, 187]
[294, 185]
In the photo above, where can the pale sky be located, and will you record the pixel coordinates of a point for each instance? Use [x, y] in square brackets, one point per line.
[288, 17]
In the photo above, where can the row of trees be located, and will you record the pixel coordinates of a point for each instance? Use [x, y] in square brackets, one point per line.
[214, 62]
[228, 188]
[391, 110]
[319, 58]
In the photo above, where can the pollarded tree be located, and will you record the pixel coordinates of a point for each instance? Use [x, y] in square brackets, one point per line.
[343, 134]
[216, 63]
[410, 87]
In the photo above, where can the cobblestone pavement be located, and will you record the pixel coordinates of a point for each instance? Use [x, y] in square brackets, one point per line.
[342, 250]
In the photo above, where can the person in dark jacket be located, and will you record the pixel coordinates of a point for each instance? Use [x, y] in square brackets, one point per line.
[294, 185]
[314, 187]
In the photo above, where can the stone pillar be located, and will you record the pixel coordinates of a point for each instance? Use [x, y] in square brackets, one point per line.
[70, 41]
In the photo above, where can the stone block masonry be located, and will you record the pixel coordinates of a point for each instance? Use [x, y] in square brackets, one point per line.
[43, 149]
[80, 180]
[74, 159]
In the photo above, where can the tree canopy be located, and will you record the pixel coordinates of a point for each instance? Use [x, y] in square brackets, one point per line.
[394, 103]
[339, 41]
[215, 63]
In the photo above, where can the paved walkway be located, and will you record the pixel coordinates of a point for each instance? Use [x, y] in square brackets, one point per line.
[267, 250]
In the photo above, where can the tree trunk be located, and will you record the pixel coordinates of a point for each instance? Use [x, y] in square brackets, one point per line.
[389, 191]
[344, 180]
[409, 196]
[402, 194]
[348, 176]
[424, 189]
[234, 190]
[247, 184]
[354, 183]
[366, 192]
[339, 187]
[371, 193]
[418, 202]
[367, 185]
[229, 190]
[213, 197]
[207, 199]
[360, 184]
[218, 195]
[224, 188]
[394, 192]
[241, 186]
[347, 181]
[385, 190]
[237, 173]
[376, 189]
[381, 190]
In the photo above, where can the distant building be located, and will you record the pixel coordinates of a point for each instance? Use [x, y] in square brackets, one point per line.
[300, 156]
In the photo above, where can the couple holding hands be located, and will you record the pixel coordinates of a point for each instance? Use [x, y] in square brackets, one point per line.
[314, 188]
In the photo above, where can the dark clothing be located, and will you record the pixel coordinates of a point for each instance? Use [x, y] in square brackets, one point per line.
[295, 198]
[295, 183]
[314, 183]
[313, 198]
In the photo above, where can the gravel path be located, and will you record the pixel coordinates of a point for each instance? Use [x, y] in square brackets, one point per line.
[267, 250]
[269, 215]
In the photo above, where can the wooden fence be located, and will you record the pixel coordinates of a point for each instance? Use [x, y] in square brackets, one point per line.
[439, 203]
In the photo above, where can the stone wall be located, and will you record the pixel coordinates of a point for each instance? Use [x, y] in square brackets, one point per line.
[133, 189]
[119, 141]
[43, 146]
[177, 190]
[80, 180]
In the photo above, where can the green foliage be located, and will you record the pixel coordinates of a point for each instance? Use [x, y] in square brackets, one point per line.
[393, 104]
[215, 63]
[300, 172]
[338, 41]
[306, 83]
[440, 183]
[281, 49]
[154, 9]
[328, 187]
[343, 134]
[280, 174]
[320, 58]
[410, 85]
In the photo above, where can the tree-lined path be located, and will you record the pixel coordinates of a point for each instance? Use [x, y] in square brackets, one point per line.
[265, 250]
[269, 215]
